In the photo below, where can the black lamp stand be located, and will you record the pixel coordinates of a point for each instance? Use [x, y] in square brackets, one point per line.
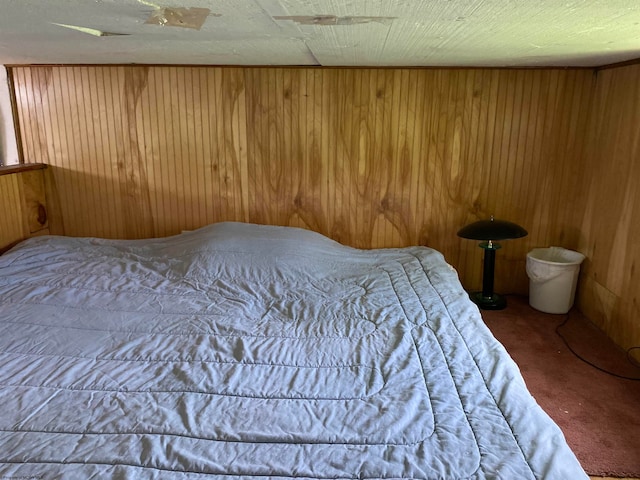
[487, 299]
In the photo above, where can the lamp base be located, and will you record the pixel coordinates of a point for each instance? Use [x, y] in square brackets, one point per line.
[494, 302]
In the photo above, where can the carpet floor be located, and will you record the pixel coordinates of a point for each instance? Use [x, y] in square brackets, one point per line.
[598, 413]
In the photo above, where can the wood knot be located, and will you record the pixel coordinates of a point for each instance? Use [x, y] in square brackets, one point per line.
[42, 214]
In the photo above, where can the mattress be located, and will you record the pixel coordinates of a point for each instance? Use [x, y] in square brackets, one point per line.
[248, 351]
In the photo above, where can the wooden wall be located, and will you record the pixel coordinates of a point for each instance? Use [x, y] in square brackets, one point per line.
[369, 157]
[610, 228]
[22, 190]
[12, 225]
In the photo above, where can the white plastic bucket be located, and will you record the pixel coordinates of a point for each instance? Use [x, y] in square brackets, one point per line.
[553, 277]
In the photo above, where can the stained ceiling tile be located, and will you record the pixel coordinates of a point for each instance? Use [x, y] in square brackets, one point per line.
[323, 32]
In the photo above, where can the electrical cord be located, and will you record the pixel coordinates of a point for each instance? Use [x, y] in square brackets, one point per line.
[630, 359]
[604, 370]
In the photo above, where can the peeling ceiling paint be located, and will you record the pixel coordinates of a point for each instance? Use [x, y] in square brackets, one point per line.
[90, 31]
[180, 17]
[321, 32]
[333, 20]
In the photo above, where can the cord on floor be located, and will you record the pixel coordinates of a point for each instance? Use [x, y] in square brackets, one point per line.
[579, 357]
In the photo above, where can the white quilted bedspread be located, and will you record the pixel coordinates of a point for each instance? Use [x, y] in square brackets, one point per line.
[243, 351]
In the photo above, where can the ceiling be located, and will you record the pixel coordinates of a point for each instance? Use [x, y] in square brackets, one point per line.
[321, 32]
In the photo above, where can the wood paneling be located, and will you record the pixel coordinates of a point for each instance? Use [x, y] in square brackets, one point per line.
[34, 200]
[610, 288]
[369, 157]
[12, 225]
[24, 212]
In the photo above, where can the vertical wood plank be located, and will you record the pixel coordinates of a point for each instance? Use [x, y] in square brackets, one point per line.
[12, 221]
[371, 158]
[609, 229]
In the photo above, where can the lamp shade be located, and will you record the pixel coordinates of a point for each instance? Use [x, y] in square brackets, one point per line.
[492, 229]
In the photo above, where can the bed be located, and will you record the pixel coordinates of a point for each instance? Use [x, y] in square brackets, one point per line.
[251, 351]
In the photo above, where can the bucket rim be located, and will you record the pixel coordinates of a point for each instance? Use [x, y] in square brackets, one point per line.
[578, 261]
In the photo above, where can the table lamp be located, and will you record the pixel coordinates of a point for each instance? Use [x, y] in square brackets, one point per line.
[490, 231]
